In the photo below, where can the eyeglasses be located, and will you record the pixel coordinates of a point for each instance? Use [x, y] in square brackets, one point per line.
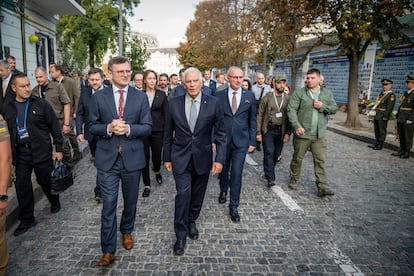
[235, 77]
[123, 72]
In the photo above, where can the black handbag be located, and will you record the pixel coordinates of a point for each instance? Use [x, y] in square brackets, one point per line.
[61, 178]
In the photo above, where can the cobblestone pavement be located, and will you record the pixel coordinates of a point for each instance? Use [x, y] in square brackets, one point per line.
[367, 228]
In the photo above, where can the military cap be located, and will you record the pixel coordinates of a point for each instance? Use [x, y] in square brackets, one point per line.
[410, 78]
[386, 81]
[279, 78]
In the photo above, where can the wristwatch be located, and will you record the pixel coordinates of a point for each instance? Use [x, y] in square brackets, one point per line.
[4, 197]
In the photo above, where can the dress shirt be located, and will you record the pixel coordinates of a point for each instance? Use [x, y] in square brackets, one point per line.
[188, 105]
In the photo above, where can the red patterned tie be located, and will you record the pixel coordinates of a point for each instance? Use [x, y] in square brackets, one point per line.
[121, 104]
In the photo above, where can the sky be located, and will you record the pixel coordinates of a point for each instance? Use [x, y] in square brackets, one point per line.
[166, 19]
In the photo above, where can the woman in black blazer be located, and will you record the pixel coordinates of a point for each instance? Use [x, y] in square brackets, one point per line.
[158, 104]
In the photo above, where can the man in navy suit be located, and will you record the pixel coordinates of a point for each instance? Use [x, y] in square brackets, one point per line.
[95, 76]
[240, 123]
[209, 82]
[6, 74]
[188, 152]
[120, 117]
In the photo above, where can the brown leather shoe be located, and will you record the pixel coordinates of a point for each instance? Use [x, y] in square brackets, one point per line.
[106, 259]
[127, 241]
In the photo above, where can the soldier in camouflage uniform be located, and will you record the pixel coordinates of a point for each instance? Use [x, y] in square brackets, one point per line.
[405, 119]
[384, 105]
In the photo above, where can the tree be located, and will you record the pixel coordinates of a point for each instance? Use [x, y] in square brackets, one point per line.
[279, 24]
[88, 37]
[136, 52]
[219, 36]
[357, 24]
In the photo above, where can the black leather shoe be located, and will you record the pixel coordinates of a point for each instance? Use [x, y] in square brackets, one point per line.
[146, 192]
[378, 147]
[271, 183]
[55, 208]
[405, 155]
[373, 145]
[222, 197]
[193, 233]
[179, 247]
[23, 227]
[399, 153]
[158, 178]
[234, 215]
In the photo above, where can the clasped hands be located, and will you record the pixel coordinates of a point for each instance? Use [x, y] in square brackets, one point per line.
[118, 127]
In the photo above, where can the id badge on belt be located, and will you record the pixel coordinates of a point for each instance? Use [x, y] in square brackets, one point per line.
[279, 115]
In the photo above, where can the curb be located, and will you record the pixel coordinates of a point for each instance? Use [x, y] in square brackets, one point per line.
[13, 206]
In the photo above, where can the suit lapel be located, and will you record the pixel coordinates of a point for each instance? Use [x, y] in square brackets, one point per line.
[110, 101]
[128, 101]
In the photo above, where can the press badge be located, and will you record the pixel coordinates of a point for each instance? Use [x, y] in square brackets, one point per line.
[279, 115]
[23, 134]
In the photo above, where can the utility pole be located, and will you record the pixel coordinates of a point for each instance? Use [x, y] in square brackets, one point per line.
[120, 30]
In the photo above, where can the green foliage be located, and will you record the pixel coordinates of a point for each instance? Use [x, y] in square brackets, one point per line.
[87, 38]
[136, 52]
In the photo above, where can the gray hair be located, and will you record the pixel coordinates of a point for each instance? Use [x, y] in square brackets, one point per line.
[192, 70]
[5, 64]
[42, 69]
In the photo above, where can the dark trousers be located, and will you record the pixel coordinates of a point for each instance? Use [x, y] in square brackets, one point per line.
[191, 189]
[71, 152]
[234, 163]
[92, 145]
[272, 144]
[155, 143]
[405, 135]
[24, 186]
[380, 128]
[109, 183]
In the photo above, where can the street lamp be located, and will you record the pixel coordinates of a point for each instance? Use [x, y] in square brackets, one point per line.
[120, 30]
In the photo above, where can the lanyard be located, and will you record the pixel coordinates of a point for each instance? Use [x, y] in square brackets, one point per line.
[281, 103]
[25, 115]
[317, 94]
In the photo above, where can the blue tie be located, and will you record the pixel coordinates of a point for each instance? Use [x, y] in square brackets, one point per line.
[193, 115]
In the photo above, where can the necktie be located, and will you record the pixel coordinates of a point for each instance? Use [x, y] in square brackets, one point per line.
[121, 104]
[193, 115]
[234, 103]
[4, 87]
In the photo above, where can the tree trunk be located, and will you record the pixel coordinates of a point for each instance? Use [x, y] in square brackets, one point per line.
[294, 72]
[352, 119]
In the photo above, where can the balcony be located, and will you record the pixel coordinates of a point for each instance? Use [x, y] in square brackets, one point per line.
[56, 7]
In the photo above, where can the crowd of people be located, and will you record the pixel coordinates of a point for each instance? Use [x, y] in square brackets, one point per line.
[191, 124]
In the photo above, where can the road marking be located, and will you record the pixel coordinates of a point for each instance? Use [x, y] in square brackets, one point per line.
[287, 200]
[344, 262]
[250, 160]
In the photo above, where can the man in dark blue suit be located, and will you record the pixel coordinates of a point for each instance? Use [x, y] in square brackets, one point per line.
[240, 123]
[209, 82]
[188, 152]
[120, 117]
[95, 76]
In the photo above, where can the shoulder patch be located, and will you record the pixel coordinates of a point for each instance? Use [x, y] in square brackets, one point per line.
[392, 98]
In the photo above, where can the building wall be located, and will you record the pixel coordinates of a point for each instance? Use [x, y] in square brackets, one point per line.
[163, 61]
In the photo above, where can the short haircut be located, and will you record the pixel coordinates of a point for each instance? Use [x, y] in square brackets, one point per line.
[313, 71]
[117, 60]
[4, 63]
[219, 74]
[61, 68]
[95, 70]
[191, 70]
[11, 57]
[163, 75]
[42, 69]
[173, 75]
[18, 75]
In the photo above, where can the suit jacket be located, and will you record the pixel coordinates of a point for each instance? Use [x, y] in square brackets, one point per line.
[240, 127]
[9, 92]
[82, 114]
[212, 85]
[180, 144]
[159, 109]
[136, 113]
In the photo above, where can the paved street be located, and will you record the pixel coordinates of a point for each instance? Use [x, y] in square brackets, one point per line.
[367, 228]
